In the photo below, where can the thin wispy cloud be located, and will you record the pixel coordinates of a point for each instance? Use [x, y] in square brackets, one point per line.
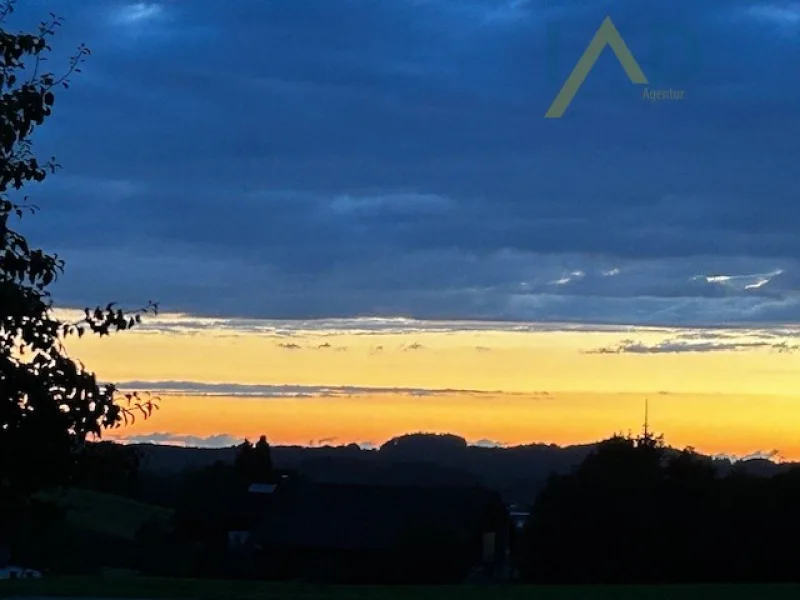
[136, 12]
[413, 347]
[222, 440]
[771, 455]
[484, 443]
[194, 388]
[677, 346]
[290, 346]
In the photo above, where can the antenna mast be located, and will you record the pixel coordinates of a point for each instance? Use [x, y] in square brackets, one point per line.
[646, 419]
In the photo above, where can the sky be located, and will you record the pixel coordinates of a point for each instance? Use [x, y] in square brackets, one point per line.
[379, 174]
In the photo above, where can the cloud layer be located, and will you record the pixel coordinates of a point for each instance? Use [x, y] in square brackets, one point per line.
[194, 388]
[321, 158]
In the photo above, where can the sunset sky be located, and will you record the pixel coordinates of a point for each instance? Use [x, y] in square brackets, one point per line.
[367, 380]
[359, 224]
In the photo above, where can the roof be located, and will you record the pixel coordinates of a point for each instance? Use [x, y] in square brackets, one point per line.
[362, 517]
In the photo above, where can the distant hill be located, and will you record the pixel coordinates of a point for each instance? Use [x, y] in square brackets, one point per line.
[517, 472]
[417, 459]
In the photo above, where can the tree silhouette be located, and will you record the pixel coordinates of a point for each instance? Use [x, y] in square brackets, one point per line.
[636, 511]
[49, 403]
[254, 462]
[613, 496]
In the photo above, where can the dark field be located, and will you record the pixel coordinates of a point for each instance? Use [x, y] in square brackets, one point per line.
[147, 588]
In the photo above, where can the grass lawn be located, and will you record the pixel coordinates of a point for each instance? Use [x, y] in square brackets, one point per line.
[106, 514]
[142, 588]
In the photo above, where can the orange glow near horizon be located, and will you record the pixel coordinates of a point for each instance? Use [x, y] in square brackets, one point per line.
[704, 422]
[508, 386]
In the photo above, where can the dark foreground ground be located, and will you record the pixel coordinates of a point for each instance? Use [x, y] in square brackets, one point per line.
[146, 588]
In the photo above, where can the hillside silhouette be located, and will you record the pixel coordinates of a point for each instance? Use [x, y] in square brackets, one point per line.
[451, 513]
[518, 473]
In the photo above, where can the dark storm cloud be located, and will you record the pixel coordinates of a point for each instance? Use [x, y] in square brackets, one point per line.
[323, 158]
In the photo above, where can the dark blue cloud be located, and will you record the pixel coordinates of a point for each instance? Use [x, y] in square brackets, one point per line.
[322, 158]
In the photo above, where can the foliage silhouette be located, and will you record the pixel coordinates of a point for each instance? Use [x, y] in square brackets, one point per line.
[109, 467]
[254, 461]
[49, 402]
[636, 511]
